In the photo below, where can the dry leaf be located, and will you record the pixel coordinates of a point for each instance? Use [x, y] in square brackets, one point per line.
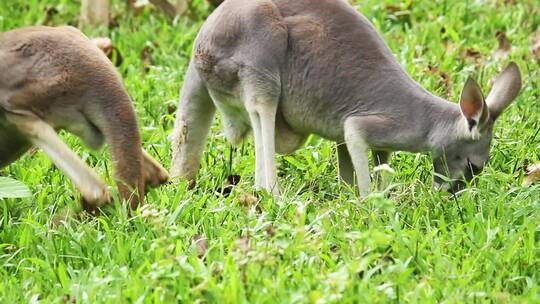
[247, 199]
[471, 55]
[450, 46]
[505, 47]
[201, 243]
[243, 243]
[271, 230]
[532, 174]
[171, 109]
[444, 78]
[146, 56]
[192, 184]
[69, 299]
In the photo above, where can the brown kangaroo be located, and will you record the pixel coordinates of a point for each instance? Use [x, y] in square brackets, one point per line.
[55, 78]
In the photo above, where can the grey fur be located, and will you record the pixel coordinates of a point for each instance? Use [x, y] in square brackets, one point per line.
[320, 67]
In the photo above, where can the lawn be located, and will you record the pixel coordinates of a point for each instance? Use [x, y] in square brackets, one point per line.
[316, 243]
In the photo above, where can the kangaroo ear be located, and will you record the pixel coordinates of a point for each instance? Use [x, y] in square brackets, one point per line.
[473, 106]
[505, 89]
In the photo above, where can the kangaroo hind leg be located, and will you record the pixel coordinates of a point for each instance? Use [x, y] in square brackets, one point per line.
[261, 104]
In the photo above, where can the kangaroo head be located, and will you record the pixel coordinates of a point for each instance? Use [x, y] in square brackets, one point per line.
[466, 155]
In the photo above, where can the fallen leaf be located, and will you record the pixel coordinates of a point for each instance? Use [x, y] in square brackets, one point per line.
[69, 299]
[450, 46]
[444, 78]
[505, 47]
[247, 199]
[471, 55]
[243, 243]
[271, 230]
[532, 174]
[146, 56]
[192, 184]
[114, 21]
[536, 45]
[201, 243]
[106, 45]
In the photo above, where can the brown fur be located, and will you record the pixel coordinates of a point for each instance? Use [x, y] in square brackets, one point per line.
[56, 76]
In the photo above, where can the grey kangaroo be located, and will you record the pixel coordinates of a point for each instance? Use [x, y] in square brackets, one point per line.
[286, 69]
[55, 78]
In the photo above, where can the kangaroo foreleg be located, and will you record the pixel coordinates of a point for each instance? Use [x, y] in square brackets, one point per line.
[193, 121]
[358, 150]
[94, 192]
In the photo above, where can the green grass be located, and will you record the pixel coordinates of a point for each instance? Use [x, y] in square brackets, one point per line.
[317, 243]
